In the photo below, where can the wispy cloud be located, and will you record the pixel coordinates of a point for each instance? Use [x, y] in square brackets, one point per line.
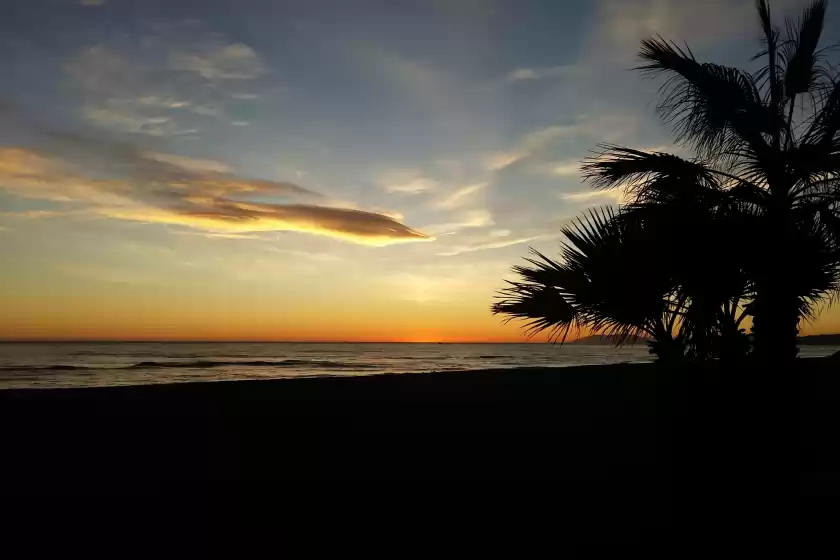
[537, 73]
[528, 146]
[194, 193]
[616, 196]
[569, 168]
[33, 214]
[490, 245]
[621, 24]
[466, 220]
[461, 196]
[310, 256]
[541, 146]
[130, 121]
[500, 160]
[190, 164]
[406, 181]
[220, 62]
[167, 83]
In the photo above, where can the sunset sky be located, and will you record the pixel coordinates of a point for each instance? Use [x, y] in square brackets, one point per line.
[312, 169]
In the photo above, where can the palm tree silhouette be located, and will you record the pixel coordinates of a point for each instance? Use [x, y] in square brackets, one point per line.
[596, 286]
[613, 280]
[781, 172]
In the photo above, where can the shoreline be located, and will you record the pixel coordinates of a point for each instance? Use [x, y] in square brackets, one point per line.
[362, 374]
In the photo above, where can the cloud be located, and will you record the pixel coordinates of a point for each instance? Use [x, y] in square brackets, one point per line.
[489, 245]
[28, 174]
[623, 23]
[170, 189]
[406, 181]
[224, 215]
[566, 168]
[93, 3]
[172, 81]
[190, 164]
[616, 196]
[528, 146]
[537, 73]
[500, 160]
[539, 147]
[33, 214]
[219, 235]
[426, 288]
[130, 121]
[220, 62]
[470, 219]
[310, 256]
[461, 196]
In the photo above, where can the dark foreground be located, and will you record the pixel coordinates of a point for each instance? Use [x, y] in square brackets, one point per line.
[627, 451]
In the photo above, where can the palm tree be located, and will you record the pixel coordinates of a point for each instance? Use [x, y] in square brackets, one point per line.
[627, 275]
[781, 171]
[611, 280]
[701, 246]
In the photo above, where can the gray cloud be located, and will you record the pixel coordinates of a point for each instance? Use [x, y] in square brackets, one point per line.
[538, 73]
[171, 82]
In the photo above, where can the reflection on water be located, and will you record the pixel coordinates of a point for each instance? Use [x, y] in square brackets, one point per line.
[99, 364]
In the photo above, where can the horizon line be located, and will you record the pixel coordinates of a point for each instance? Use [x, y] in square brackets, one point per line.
[263, 341]
[255, 341]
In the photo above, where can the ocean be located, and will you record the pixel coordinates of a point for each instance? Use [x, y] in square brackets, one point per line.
[48, 365]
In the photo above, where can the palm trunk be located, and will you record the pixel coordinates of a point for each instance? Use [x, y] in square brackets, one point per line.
[776, 323]
[765, 409]
[776, 319]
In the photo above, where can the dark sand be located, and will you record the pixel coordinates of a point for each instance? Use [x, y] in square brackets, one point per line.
[618, 450]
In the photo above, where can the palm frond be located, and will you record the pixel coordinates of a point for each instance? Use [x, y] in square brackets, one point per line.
[596, 284]
[825, 126]
[800, 53]
[541, 307]
[658, 177]
[817, 260]
[713, 107]
[771, 70]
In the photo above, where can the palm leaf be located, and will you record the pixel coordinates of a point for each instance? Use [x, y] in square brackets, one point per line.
[771, 40]
[658, 177]
[800, 52]
[825, 126]
[595, 285]
[713, 107]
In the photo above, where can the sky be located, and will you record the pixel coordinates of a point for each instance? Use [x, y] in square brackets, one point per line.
[355, 170]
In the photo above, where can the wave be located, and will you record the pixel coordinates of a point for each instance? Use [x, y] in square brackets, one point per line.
[51, 367]
[202, 364]
[495, 357]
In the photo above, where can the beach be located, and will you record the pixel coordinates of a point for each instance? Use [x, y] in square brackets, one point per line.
[621, 441]
[631, 448]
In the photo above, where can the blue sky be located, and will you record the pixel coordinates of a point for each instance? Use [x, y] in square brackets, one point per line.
[268, 162]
